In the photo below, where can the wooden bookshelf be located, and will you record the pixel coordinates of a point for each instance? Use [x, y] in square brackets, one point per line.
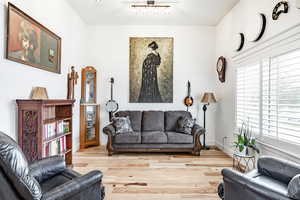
[45, 128]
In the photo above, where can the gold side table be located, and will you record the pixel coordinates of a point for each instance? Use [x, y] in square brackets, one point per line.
[243, 163]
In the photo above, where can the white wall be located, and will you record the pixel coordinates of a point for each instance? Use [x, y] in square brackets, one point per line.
[234, 22]
[194, 51]
[17, 80]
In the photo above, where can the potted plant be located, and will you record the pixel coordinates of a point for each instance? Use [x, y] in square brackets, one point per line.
[246, 142]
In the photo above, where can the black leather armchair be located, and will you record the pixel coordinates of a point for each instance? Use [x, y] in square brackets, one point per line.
[270, 181]
[47, 179]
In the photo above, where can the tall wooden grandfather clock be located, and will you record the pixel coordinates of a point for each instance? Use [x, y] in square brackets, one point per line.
[89, 109]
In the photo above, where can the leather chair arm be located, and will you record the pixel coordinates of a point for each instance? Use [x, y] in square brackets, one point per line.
[245, 183]
[235, 176]
[46, 168]
[109, 130]
[73, 187]
[198, 130]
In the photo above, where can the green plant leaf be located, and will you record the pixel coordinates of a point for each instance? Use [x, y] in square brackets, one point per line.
[241, 148]
[240, 139]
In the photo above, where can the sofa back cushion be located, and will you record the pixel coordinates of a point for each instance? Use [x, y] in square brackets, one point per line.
[135, 118]
[15, 166]
[279, 169]
[171, 118]
[153, 121]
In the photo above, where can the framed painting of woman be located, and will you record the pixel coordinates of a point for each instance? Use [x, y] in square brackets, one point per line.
[151, 70]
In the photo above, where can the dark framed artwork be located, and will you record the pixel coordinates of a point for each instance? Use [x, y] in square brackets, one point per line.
[30, 43]
[151, 70]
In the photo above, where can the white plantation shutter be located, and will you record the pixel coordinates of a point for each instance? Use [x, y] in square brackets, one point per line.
[248, 96]
[281, 97]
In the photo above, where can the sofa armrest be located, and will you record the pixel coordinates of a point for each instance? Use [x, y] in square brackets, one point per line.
[198, 130]
[48, 167]
[73, 187]
[238, 185]
[235, 176]
[109, 130]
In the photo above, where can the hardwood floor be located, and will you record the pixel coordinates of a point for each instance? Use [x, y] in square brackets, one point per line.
[156, 176]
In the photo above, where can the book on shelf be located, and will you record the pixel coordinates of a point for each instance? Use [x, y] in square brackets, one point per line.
[49, 130]
[55, 147]
[49, 112]
[66, 126]
[60, 127]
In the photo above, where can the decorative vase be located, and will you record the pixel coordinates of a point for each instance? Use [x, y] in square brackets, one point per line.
[247, 152]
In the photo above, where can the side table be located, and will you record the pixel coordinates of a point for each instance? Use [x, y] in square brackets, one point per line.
[243, 163]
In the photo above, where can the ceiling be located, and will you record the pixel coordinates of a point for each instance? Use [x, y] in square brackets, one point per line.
[184, 12]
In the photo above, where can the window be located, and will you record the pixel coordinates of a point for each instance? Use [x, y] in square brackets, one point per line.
[268, 94]
[281, 97]
[248, 100]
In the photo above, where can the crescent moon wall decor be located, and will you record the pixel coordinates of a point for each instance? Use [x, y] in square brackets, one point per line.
[277, 11]
[242, 41]
[263, 27]
[256, 27]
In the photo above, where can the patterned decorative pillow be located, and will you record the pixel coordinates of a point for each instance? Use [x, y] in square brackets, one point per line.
[122, 125]
[185, 125]
[294, 187]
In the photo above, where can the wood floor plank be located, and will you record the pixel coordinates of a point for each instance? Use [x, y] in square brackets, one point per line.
[150, 176]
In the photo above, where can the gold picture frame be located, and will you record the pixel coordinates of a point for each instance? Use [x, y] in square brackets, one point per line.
[31, 43]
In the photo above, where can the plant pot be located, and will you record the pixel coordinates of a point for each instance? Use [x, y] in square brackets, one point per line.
[246, 152]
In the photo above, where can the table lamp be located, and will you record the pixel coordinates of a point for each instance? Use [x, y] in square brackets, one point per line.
[207, 99]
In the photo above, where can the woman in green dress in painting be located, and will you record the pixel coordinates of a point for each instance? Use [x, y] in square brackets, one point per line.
[149, 92]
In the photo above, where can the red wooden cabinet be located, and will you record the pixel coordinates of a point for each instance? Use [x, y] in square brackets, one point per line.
[45, 128]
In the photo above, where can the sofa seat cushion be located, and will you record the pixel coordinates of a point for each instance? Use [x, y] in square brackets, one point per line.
[135, 118]
[153, 121]
[53, 182]
[271, 184]
[171, 118]
[154, 137]
[128, 138]
[179, 138]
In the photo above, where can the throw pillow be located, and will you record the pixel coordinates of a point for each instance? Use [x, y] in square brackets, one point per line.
[185, 125]
[122, 125]
[294, 188]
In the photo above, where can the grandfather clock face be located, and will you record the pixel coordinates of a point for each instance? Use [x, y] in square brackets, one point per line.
[221, 68]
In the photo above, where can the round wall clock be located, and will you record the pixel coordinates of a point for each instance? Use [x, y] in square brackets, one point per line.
[281, 7]
[221, 68]
[239, 42]
[256, 27]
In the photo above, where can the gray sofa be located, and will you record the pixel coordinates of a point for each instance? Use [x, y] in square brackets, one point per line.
[154, 131]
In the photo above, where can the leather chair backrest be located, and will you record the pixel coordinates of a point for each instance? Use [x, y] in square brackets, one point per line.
[7, 191]
[15, 166]
[171, 118]
[279, 169]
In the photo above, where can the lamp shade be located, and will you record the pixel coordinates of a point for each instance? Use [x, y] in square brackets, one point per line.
[208, 98]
